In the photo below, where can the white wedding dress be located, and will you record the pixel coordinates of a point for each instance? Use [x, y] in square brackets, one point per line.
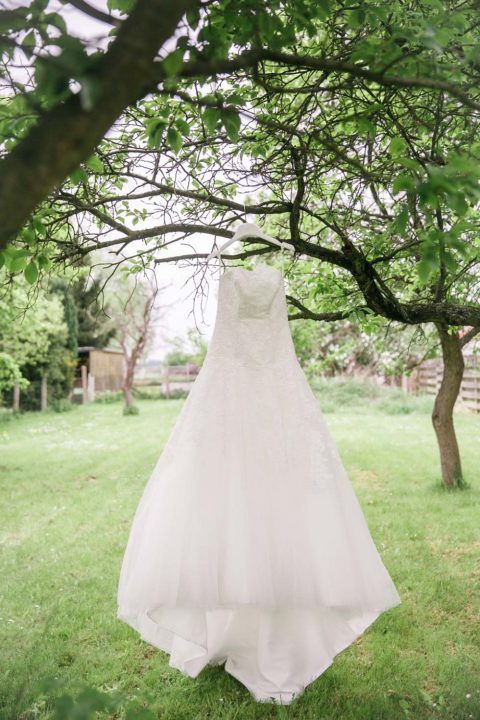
[249, 545]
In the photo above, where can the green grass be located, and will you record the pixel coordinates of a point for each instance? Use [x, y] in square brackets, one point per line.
[70, 485]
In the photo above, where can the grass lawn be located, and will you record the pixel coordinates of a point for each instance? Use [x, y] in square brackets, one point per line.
[70, 484]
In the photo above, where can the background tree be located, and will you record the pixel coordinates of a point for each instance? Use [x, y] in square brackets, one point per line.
[36, 340]
[133, 314]
[191, 349]
[95, 328]
[70, 311]
[347, 348]
[10, 375]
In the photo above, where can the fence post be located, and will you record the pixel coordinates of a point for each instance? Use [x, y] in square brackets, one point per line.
[91, 387]
[83, 369]
[43, 392]
[16, 397]
[167, 381]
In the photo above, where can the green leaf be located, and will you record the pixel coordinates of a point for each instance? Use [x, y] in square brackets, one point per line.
[400, 222]
[155, 128]
[43, 261]
[124, 6]
[232, 123]
[236, 99]
[183, 126]
[457, 202]
[2, 259]
[13, 19]
[95, 164]
[397, 146]
[427, 195]
[173, 62]
[56, 20]
[28, 234]
[403, 182]
[29, 41]
[211, 116]
[366, 126]
[324, 9]
[356, 18]
[38, 227]
[424, 270]
[31, 272]
[409, 163]
[174, 139]
[18, 260]
[79, 175]
[450, 261]
[193, 17]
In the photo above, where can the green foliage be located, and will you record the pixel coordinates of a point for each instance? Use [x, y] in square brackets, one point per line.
[94, 323]
[124, 6]
[109, 396]
[36, 338]
[155, 393]
[31, 272]
[211, 117]
[61, 405]
[131, 410]
[27, 334]
[71, 318]
[10, 373]
[173, 62]
[366, 344]
[174, 139]
[189, 350]
[231, 122]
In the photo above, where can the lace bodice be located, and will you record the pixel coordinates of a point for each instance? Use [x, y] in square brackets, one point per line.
[251, 324]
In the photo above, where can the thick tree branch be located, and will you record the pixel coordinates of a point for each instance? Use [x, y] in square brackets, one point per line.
[307, 314]
[93, 12]
[465, 339]
[250, 58]
[68, 133]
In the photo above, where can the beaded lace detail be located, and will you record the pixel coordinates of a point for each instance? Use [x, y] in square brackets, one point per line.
[251, 325]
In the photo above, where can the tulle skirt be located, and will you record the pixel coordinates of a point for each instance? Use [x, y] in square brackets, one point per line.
[249, 545]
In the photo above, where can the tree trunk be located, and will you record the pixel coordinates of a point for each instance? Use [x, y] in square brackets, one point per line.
[128, 382]
[44, 393]
[442, 416]
[16, 398]
[84, 371]
[127, 394]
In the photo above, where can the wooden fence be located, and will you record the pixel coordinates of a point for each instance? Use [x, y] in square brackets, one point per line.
[171, 378]
[428, 376]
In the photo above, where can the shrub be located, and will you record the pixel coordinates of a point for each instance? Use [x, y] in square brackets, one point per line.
[109, 396]
[132, 410]
[61, 405]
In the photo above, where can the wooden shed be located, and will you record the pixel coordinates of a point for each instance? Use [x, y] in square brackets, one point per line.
[98, 370]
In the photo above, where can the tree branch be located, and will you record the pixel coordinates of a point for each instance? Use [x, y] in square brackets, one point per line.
[68, 133]
[93, 12]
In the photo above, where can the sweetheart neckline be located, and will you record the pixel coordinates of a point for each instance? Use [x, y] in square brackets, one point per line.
[251, 272]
